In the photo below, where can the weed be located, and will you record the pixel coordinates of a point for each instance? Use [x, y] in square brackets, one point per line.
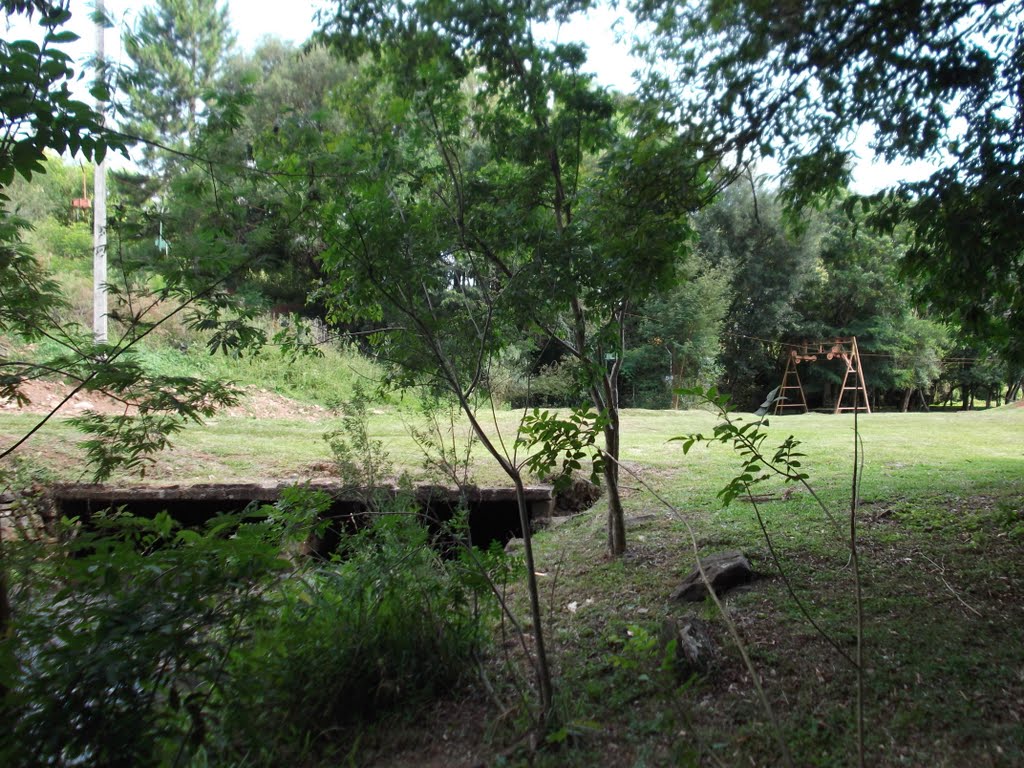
[116, 651]
[386, 623]
[360, 460]
[151, 645]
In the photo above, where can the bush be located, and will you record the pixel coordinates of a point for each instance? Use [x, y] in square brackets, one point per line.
[144, 644]
[387, 623]
[117, 649]
[69, 246]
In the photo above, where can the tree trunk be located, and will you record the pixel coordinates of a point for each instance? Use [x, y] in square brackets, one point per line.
[604, 396]
[924, 401]
[616, 515]
[677, 382]
[542, 669]
[675, 375]
[1011, 391]
[906, 400]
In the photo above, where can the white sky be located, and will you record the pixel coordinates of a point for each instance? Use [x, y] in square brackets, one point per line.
[292, 20]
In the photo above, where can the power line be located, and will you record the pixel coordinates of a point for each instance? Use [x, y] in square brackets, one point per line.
[884, 355]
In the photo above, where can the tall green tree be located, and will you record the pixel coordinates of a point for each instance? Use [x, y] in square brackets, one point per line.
[745, 234]
[916, 346]
[177, 49]
[856, 290]
[677, 341]
[286, 99]
[39, 113]
[492, 155]
[291, 88]
[933, 81]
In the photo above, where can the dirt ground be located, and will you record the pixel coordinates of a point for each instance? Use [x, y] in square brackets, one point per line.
[45, 396]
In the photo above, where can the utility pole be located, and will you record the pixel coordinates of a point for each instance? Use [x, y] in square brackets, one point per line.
[99, 221]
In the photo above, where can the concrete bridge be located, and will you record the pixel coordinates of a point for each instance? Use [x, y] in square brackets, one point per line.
[493, 512]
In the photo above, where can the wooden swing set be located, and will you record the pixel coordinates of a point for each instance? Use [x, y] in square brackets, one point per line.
[846, 350]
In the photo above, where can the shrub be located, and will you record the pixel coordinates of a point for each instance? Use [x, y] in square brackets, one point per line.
[68, 245]
[144, 644]
[119, 644]
[388, 622]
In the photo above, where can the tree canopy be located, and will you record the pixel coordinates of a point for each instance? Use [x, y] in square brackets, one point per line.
[178, 51]
[939, 82]
[479, 158]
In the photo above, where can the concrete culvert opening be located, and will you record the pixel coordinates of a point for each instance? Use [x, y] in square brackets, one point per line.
[493, 513]
[578, 496]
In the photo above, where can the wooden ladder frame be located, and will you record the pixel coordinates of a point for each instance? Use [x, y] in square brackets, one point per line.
[782, 400]
[851, 357]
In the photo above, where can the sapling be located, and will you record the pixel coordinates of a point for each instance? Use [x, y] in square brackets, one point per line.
[759, 465]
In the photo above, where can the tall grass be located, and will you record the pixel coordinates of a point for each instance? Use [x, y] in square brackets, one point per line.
[327, 379]
[174, 349]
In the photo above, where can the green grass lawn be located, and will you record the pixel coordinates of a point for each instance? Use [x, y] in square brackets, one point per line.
[941, 535]
[904, 453]
[941, 529]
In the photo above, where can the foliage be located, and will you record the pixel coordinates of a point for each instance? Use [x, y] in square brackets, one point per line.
[40, 112]
[229, 232]
[679, 331]
[856, 290]
[530, 374]
[286, 96]
[855, 282]
[66, 245]
[747, 439]
[177, 50]
[977, 371]
[30, 294]
[291, 88]
[822, 276]
[360, 460]
[917, 345]
[936, 82]
[164, 406]
[168, 645]
[133, 626]
[48, 194]
[562, 444]
[40, 115]
[385, 624]
[744, 234]
[492, 188]
[447, 445]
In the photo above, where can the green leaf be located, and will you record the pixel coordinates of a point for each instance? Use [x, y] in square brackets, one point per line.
[65, 36]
